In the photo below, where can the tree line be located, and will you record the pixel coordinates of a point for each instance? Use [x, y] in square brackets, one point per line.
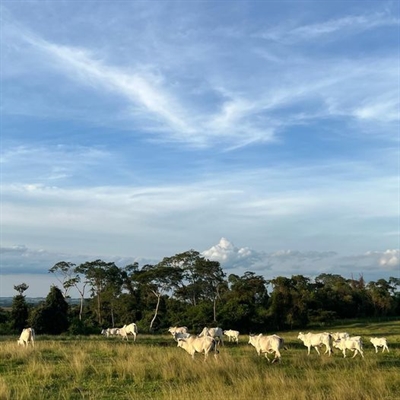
[191, 290]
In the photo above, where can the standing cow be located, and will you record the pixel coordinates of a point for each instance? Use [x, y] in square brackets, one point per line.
[267, 344]
[215, 333]
[232, 335]
[379, 342]
[316, 340]
[353, 343]
[177, 329]
[126, 330]
[27, 336]
[194, 344]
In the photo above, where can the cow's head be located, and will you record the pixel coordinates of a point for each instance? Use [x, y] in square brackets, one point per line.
[251, 339]
[181, 342]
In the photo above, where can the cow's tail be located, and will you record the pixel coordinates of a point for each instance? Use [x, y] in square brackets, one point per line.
[282, 344]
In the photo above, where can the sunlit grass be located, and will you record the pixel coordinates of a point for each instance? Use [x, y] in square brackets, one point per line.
[155, 368]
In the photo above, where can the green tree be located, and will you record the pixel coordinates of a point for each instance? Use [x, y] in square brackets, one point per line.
[95, 273]
[67, 273]
[19, 313]
[380, 294]
[290, 301]
[112, 289]
[52, 315]
[199, 280]
[21, 288]
[244, 305]
[159, 280]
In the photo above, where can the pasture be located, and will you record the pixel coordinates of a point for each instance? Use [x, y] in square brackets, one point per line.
[154, 367]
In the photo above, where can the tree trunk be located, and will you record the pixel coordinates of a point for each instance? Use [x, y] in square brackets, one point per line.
[82, 294]
[112, 315]
[158, 295]
[98, 308]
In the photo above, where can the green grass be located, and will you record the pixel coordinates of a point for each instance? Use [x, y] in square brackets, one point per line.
[154, 368]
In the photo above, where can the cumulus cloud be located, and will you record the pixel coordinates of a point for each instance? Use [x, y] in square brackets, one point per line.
[231, 256]
[372, 264]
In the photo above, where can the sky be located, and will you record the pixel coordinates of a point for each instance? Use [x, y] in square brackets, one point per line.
[263, 134]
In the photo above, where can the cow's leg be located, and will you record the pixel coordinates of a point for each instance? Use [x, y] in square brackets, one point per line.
[316, 348]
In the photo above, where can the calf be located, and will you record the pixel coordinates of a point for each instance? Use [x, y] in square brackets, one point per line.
[379, 342]
[234, 335]
[27, 336]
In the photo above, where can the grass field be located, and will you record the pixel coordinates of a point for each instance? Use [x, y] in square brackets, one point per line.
[154, 368]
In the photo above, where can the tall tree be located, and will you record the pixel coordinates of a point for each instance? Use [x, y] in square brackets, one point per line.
[209, 278]
[113, 288]
[245, 303]
[19, 313]
[64, 272]
[51, 316]
[159, 280]
[96, 275]
[21, 288]
[67, 273]
[380, 294]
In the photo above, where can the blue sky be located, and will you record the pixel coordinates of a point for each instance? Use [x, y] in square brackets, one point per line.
[263, 134]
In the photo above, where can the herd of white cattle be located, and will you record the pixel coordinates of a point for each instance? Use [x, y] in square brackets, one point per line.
[209, 339]
[126, 330]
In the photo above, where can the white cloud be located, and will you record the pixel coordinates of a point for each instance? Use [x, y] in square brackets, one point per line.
[242, 110]
[230, 256]
[372, 264]
[351, 24]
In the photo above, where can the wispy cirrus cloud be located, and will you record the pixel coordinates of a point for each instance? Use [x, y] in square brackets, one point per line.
[341, 26]
[244, 111]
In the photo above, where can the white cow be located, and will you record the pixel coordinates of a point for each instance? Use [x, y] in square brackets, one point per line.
[340, 335]
[131, 329]
[110, 332]
[177, 329]
[194, 344]
[127, 330]
[234, 335]
[215, 333]
[27, 336]
[316, 340]
[352, 343]
[267, 344]
[179, 335]
[379, 342]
